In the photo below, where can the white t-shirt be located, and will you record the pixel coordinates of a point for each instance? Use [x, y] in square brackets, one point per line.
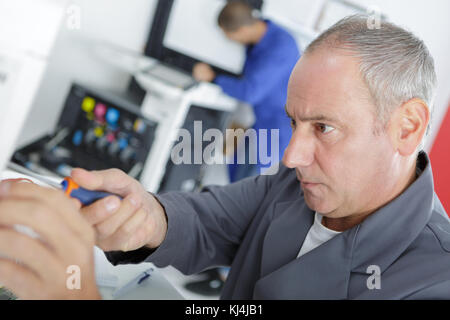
[317, 235]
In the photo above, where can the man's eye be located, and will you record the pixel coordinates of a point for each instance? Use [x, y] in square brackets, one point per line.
[293, 123]
[323, 128]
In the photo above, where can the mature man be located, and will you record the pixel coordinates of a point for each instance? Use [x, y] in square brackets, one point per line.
[351, 215]
[271, 53]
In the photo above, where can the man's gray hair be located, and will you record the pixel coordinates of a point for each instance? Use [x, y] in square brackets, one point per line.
[395, 65]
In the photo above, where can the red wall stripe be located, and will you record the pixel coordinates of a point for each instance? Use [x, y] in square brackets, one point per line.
[440, 162]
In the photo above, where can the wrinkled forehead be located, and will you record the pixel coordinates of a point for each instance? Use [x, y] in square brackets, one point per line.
[328, 80]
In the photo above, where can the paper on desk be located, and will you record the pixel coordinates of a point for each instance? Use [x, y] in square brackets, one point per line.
[103, 270]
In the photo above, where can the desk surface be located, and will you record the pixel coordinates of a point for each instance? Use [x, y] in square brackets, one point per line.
[157, 287]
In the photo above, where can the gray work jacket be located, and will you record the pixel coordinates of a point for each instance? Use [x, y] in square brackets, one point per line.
[258, 225]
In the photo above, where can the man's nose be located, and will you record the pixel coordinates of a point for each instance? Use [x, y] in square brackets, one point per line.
[300, 151]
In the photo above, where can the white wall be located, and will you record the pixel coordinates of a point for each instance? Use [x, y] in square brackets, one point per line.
[125, 23]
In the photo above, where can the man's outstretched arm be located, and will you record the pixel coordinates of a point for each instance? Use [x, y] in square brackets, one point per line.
[190, 231]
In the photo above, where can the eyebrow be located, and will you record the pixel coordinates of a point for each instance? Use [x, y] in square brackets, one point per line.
[318, 117]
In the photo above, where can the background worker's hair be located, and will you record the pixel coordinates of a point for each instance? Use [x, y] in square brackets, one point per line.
[235, 15]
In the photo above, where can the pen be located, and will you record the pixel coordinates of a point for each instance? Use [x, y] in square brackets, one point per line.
[143, 276]
[70, 188]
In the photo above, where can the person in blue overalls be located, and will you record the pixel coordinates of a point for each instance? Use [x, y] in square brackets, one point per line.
[271, 54]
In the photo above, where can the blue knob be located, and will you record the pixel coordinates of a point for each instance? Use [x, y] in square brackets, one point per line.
[112, 116]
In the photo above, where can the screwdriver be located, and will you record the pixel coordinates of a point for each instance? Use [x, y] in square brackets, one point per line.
[70, 188]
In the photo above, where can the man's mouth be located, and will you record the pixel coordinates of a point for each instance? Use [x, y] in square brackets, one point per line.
[302, 180]
[308, 184]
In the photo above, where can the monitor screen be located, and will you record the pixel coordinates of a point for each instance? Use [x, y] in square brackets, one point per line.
[192, 30]
[185, 32]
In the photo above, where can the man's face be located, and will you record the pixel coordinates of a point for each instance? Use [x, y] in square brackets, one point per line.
[343, 163]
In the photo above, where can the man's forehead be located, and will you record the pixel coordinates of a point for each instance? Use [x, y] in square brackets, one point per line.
[304, 105]
[326, 85]
[314, 114]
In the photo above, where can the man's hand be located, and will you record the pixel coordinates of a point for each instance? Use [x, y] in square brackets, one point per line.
[233, 138]
[203, 72]
[136, 221]
[40, 267]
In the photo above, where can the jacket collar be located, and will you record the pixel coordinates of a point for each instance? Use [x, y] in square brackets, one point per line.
[391, 229]
[323, 273]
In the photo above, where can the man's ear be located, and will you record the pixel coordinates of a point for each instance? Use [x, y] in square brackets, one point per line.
[408, 125]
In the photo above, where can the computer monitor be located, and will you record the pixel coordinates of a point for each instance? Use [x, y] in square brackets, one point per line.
[185, 32]
[192, 30]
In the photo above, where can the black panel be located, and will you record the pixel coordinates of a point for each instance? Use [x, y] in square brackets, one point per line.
[176, 176]
[135, 92]
[154, 46]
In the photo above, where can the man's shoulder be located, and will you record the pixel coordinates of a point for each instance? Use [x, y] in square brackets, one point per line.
[431, 261]
[422, 271]
[277, 27]
[282, 35]
[439, 229]
[433, 244]
[435, 236]
[428, 259]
